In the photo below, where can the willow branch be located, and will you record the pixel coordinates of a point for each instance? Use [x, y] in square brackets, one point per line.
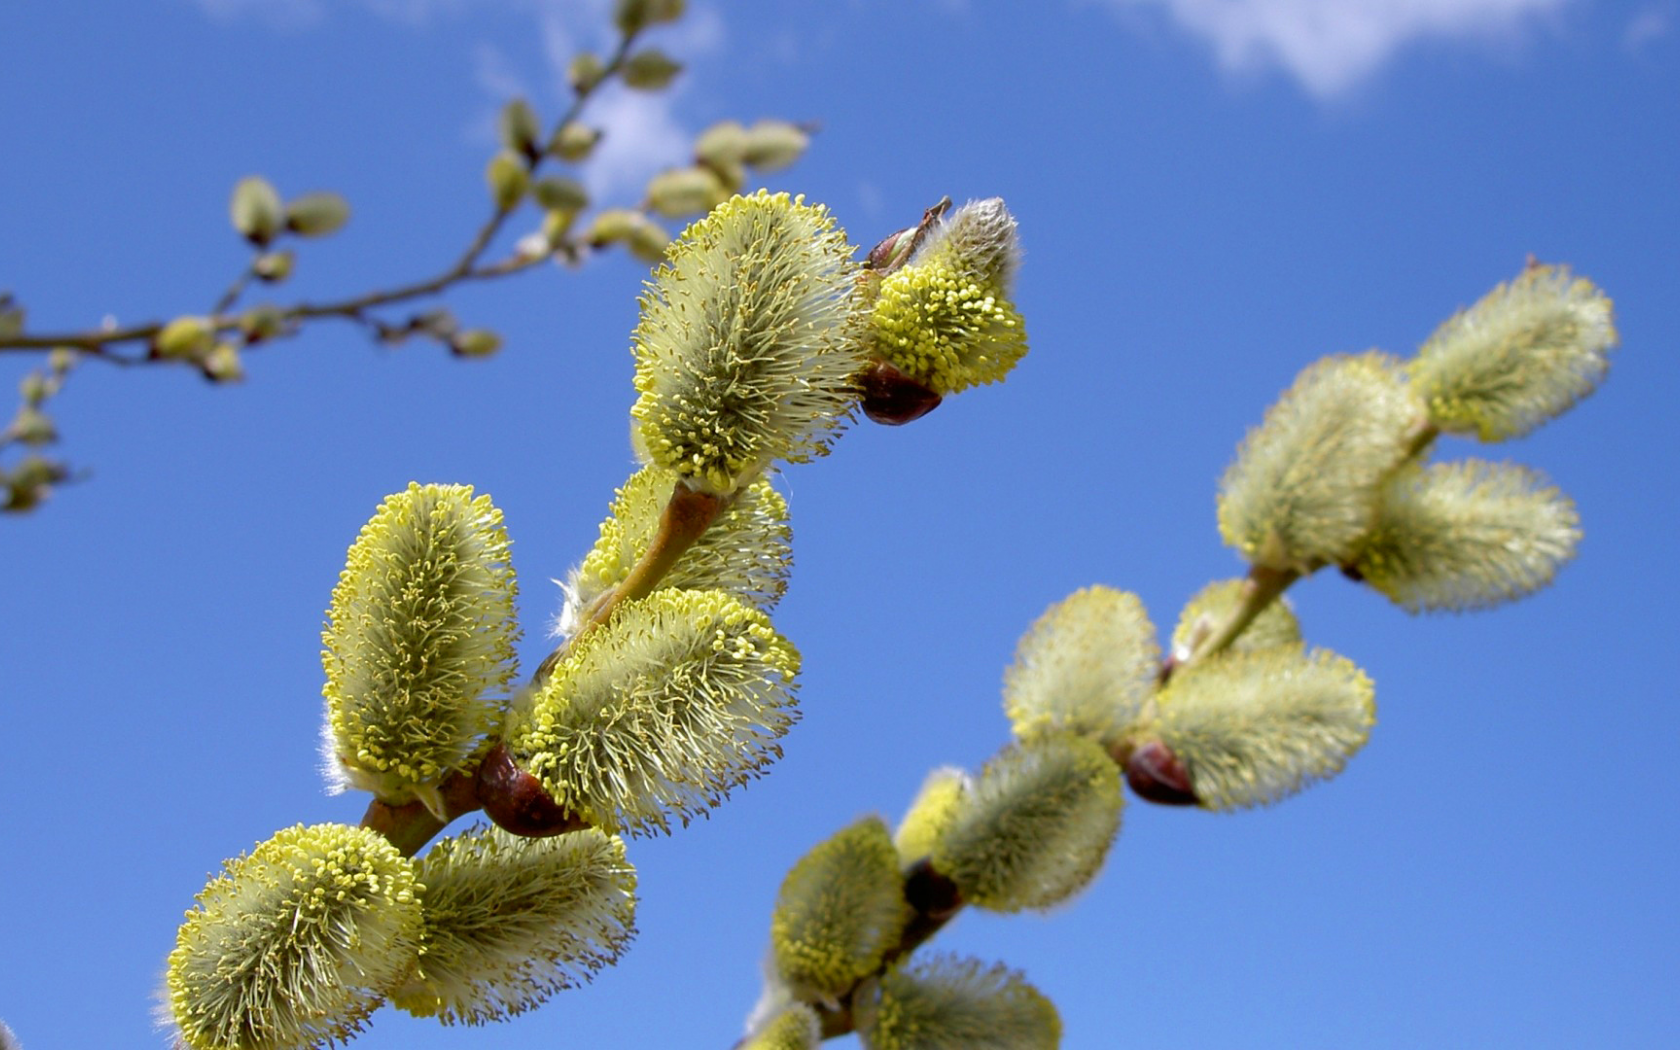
[97, 342]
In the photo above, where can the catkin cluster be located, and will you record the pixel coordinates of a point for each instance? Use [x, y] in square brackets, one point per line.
[1240, 713]
[669, 686]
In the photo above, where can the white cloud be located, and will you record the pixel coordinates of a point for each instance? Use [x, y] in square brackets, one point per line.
[1646, 26]
[1330, 46]
[284, 14]
[643, 133]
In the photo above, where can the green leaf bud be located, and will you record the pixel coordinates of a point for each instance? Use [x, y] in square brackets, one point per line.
[934, 809]
[840, 910]
[633, 16]
[255, 210]
[1467, 536]
[650, 70]
[794, 1027]
[11, 319]
[61, 359]
[295, 944]
[1214, 604]
[723, 143]
[274, 267]
[1036, 826]
[419, 634]
[747, 551]
[555, 193]
[475, 342]
[261, 322]
[518, 128]
[678, 698]
[31, 427]
[584, 71]
[184, 338]
[508, 179]
[1305, 483]
[947, 1003]
[773, 144]
[30, 482]
[743, 351]
[509, 921]
[1255, 727]
[1087, 666]
[573, 142]
[647, 241]
[317, 214]
[684, 191]
[222, 364]
[1525, 353]
[613, 226]
[34, 388]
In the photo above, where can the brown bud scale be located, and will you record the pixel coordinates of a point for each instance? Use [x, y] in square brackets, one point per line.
[890, 397]
[516, 801]
[1155, 774]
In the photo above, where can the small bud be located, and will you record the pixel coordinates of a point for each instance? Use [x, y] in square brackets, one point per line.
[890, 397]
[1155, 774]
[722, 143]
[685, 191]
[261, 322]
[31, 426]
[508, 179]
[555, 226]
[35, 388]
[317, 214]
[731, 174]
[612, 226]
[560, 194]
[893, 251]
[773, 144]
[222, 364]
[30, 482]
[647, 241]
[516, 800]
[11, 319]
[633, 16]
[255, 210]
[438, 323]
[274, 267]
[62, 359]
[935, 806]
[585, 71]
[650, 70]
[519, 128]
[573, 142]
[475, 342]
[184, 337]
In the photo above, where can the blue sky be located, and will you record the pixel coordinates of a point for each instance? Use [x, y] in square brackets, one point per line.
[1212, 194]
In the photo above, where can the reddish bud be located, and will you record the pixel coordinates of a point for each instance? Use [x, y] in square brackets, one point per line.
[931, 893]
[1156, 775]
[889, 396]
[517, 801]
